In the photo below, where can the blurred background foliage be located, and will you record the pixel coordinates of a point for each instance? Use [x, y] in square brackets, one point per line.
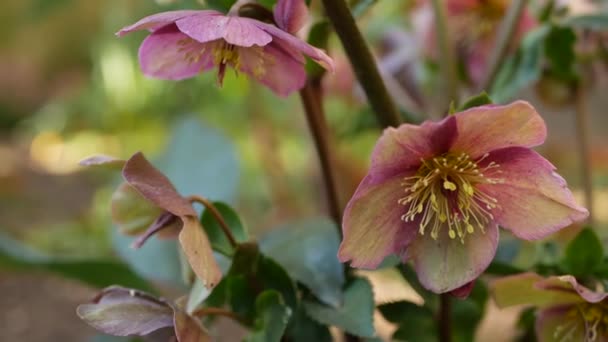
[69, 89]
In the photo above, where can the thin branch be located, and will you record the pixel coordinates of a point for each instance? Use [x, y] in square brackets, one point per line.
[445, 317]
[506, 32]
[446, 49]
[217, 215]
[363, 62]
[582, 137]
[313, 108]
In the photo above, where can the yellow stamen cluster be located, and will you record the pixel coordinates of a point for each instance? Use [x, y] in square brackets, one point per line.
[594, 323]
[223, 54]
[444, 192]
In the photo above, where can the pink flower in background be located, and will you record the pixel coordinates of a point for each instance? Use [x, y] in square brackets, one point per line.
[436, 193]
[568, 310]
[473, 27]
[185, 43]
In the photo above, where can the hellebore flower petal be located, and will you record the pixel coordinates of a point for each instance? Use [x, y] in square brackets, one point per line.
[486, 128]
[197, 249]
[525, 288]
[371, 235]
[155, 186]
[169, 54]
[533, 200]
[568, 283]
[400, 149]
[290, 15]
[297, 44]
[444, 265]
[234, 30]
[156, 21]
[562, 321]
[269, 65]
[120, 311]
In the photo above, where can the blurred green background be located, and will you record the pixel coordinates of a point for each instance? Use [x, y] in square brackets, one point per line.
[69, 89]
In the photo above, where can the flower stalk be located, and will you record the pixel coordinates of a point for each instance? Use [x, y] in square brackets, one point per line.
[363, 62]
[447, 61]
[505, 36]
[217, 215]
[445, 317]
[310, 96]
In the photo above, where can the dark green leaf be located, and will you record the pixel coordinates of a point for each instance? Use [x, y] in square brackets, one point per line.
[469, 312]
[354, 316]
[273, 276]
[416, 323]
[221, 5]
[523, 69]
[250, 274]
[502, 268]
[97, 273]
[318, 37]
[403, 311]
[559, 50]
[307, 250]
[218, 239]
[476, 101]
[303, 329]
[272, 316]
[583, 254]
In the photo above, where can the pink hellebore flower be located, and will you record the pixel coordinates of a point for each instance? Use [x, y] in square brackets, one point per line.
[436, 193]
[185, 43]
[568, 310]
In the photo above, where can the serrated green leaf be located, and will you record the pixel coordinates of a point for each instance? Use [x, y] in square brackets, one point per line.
[356, 313]
[416, 323]
[97, 273]
[584, 254]
[307, 250]
[304, 329]
[218, 239]
[273, 276]
[272, 316]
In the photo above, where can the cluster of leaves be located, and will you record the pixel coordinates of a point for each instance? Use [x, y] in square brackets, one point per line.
[548, 57]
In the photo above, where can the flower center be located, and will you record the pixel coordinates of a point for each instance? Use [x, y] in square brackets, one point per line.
[223, 54]
[444, 192]
[595, 318]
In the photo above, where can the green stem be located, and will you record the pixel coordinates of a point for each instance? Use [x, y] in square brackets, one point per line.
[506, 32]
[217, 215]
[363, 62]
[447, 60]
[310, 96]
